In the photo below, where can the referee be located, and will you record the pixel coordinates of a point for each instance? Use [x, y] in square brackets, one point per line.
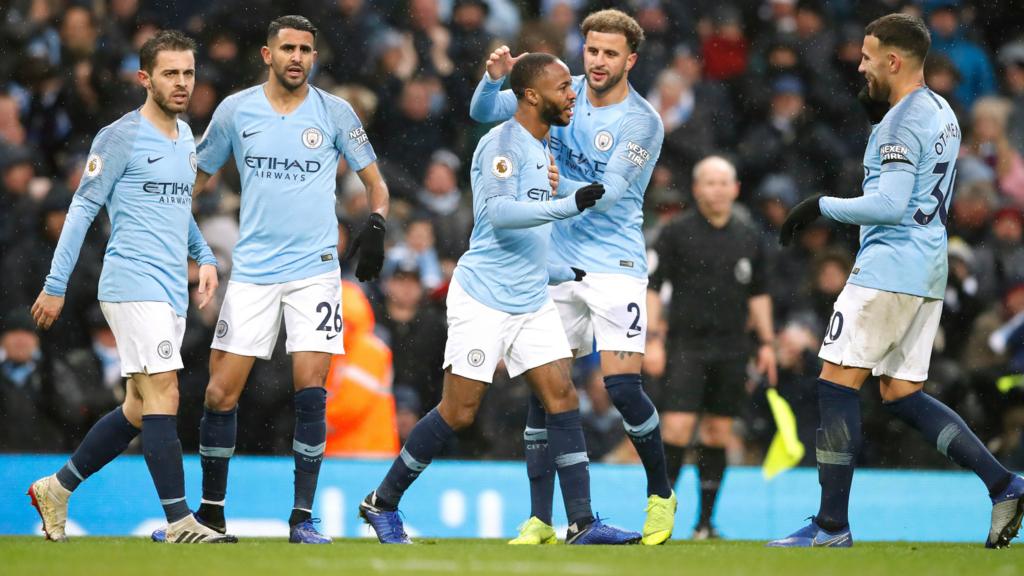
[715, 265]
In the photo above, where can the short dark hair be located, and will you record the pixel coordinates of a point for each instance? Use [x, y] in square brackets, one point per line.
[902, 31]
[527, 70]
[293, 21]
[613, 21]
[170, 40]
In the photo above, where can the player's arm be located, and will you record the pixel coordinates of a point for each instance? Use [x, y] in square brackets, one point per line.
[885, 208]
[215, 146]
[107, 161]
[200, 251]
[490, 103]
[638, 144]
[560, 274]
[351, 140]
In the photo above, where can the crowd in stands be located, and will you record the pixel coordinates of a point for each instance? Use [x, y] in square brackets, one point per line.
[770, 84]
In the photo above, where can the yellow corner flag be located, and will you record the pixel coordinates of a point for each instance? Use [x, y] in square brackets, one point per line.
[785, 451]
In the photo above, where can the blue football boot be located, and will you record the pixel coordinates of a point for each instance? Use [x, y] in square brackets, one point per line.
[814, 536]
[387, 524]
[1007, 512]
[306, 533]
[600, 533]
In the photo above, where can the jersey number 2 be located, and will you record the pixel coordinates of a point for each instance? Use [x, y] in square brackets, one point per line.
[924, 219]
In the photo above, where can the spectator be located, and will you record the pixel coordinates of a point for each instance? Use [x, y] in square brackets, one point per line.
[416, 251]
[348, 26]
[1011, 57]
[977, 78]
[689, 130]
[443, 201]
[988, 142]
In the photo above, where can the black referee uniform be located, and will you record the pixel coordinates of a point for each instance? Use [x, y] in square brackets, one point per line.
[714, 272]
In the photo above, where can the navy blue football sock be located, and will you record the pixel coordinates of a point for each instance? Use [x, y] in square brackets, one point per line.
[949, 433]
[642, 425]
[308, 447]
[539, 467]
[426, 441]
[568, 450]
[838, 443]
[162, 451]
[107, 438]
[217, 431]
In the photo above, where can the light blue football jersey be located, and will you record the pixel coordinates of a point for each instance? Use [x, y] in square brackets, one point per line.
[506, 268]
[616, 145]
[145, 181]
[919, 135]
[288, 164]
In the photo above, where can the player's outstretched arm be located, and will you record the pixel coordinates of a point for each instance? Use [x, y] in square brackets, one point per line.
[504, 211]
[50, 301]
[886, 208]
[490, 103]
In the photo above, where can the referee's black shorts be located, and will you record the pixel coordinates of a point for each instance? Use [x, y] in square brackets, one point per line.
[705, 384]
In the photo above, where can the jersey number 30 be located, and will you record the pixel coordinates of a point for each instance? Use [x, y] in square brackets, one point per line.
[941, 168]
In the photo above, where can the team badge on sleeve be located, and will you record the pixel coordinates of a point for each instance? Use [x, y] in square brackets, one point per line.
[501, 167]
[603, 141]
[93, 166]
[192, 161]
[312, 138]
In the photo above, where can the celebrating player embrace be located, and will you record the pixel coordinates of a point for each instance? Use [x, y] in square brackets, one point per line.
[614, 138]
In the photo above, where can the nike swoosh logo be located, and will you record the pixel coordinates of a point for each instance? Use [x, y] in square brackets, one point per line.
[151, 160]
[247, 134]
[831, 541]
[628, 335]
[331, 337]
[539, 166]
[828, 343]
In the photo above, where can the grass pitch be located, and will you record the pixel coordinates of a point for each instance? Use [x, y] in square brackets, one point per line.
[139, 557]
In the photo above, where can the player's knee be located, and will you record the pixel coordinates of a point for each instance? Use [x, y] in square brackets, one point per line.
[220, 397]
[459, 417]
[562, 399]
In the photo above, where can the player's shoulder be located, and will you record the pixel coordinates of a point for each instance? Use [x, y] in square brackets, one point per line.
[917, 112]
[231, 103]
[120, 133]
[333, 104]
[640, 111]
[185, 130]
[505, 137]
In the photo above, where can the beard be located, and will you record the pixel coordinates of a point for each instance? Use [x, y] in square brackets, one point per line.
[164, 102]
[284, 80]
[610, 82]
[551, 114]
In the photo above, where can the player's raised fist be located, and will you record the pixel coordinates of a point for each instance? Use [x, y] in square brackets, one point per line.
[500, 62]
[46, 309]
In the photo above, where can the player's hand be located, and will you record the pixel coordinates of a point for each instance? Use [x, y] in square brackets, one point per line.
[876, 109]
[767, 364]
[208, 283]
[553, 176]
[654, 358]
[500, 62]
[370, 243]
[588, 195]
[46, 309]
[580, 273]
[800, 216]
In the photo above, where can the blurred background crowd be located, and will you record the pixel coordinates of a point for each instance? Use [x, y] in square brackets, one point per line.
[770, 84]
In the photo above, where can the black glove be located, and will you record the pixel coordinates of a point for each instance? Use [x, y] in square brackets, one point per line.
[588, 196]
[876, 109]
[370, 243]
[579, 274]
[801, 215]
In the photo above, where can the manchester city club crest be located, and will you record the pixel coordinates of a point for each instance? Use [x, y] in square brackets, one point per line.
[165, 349]
[603, 141]
[192, 161]
[222, 328]
[475, 357]
[312, 138]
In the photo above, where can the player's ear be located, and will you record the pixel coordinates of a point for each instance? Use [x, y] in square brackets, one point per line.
[143, 77]
[532, 97]
[631, 60]
[895, 62]
[265, 52]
